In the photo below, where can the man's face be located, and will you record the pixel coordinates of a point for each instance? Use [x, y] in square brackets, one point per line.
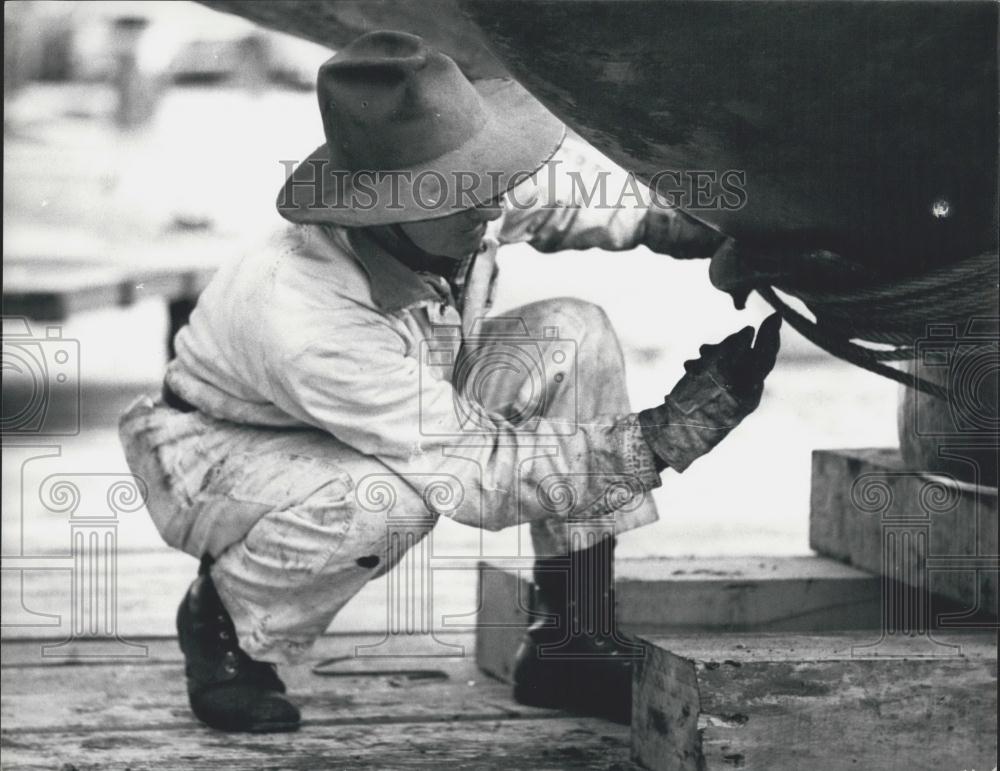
[456, 235]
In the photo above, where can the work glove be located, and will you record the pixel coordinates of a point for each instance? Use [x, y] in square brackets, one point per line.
[677, 233]
[722, 386]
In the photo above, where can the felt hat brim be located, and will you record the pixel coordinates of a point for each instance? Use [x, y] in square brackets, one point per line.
[518, 136]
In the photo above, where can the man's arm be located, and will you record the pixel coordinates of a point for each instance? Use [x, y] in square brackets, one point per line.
[363, 386]
[362, 383]
[574, 203]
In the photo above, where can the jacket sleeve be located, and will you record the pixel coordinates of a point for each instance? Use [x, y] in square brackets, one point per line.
[365, 387]
[574, 202]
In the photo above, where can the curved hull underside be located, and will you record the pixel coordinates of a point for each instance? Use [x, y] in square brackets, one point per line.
[868, 129]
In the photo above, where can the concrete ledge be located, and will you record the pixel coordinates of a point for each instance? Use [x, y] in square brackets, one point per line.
[929, 531]
[657, 596]
[834, 702]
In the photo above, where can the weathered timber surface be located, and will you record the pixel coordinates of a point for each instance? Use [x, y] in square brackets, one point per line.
[38, 595]
[770, 703]
[479, 744]
[58, 289]
[805, 593]
[412, 712]
[925, 530]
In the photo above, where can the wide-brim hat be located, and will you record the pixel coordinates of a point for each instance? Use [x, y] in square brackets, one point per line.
[409, 137]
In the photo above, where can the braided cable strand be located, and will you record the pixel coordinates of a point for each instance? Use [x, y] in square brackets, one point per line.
[844, 349]
[896, 314]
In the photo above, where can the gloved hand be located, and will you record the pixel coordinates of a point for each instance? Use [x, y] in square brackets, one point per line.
[722, 386]
[677, 233]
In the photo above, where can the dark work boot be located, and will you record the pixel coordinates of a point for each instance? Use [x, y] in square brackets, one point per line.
[227, 689]
[573, 657]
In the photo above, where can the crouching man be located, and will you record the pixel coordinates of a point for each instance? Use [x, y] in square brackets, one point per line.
[355, 350]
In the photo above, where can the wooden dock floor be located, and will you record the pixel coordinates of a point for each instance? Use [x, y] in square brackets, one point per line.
[385, 713]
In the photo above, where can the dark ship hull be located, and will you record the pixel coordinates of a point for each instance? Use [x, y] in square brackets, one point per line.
[868, 129]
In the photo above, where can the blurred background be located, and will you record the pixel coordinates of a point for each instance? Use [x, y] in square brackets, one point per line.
[142, 132]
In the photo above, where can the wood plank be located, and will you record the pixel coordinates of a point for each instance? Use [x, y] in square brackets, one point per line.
[864, 501]
[54, 289]
[59, 276]
[726, 593]
[567, 743]
[773, 702]
[131, 697]
[42, 585]
[373, 713]
[163, 650]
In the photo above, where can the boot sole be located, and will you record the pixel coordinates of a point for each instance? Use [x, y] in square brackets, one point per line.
[254, 728]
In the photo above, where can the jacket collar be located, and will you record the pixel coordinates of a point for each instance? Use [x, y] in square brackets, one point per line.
[393, 285]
